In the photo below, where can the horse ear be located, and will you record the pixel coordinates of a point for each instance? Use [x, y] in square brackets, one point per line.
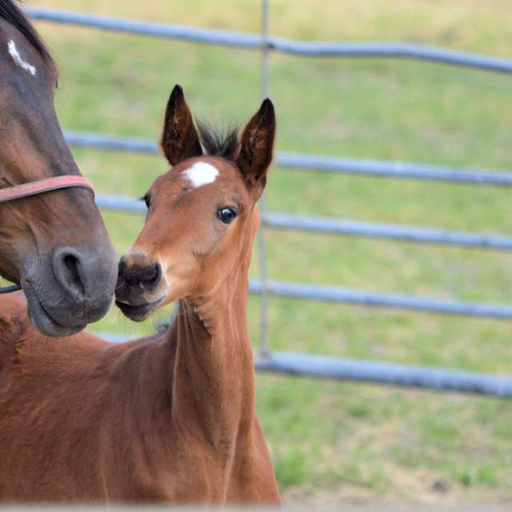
[179, 140]
[257, 146]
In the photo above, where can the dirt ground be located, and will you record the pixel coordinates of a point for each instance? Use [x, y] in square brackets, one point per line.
[356, 500]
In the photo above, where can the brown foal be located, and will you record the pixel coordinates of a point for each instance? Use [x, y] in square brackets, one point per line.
[169, 418]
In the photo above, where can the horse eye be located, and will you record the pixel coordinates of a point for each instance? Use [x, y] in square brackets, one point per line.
[227, 215]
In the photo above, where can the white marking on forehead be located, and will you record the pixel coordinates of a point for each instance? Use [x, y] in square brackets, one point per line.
[201, 174]
[15, 54]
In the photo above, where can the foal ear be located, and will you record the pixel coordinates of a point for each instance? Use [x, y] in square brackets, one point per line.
[256, 147]
[179, 140]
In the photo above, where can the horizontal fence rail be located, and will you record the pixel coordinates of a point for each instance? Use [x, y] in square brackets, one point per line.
[323, 367]
[345, 227]
[404, 170]
[256, 42]
[386, 231]
[395, 301]
[304, 162]
[392, 374]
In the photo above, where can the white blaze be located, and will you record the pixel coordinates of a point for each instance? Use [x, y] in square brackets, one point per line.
[15, 54]
[201, 174]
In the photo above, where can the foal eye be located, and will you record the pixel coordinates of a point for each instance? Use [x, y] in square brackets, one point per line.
[147, 200]
[227, 215]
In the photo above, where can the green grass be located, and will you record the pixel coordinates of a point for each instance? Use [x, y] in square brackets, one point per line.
[339, 441]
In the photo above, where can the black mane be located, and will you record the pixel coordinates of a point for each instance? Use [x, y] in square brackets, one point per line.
[218, 142]
[10, 12]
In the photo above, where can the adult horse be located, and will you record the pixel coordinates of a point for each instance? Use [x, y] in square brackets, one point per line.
[171, 418]
[52, 238]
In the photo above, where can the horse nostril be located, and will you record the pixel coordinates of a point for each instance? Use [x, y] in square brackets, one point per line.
[70, 264]
[67, 270]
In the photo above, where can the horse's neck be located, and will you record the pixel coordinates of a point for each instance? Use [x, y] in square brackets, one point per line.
[213, 388]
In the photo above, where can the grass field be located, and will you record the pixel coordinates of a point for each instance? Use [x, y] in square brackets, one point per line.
[337, 441]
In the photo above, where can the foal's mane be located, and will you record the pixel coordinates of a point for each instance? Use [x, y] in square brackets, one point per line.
[11, 12]
[221, 142]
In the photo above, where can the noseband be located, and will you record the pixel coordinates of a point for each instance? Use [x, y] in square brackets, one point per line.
[35, 188]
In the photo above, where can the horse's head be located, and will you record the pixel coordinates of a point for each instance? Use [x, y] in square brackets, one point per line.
[202, 214]
[54, 244]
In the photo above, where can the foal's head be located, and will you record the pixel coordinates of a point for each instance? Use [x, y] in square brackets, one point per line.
[202, 214]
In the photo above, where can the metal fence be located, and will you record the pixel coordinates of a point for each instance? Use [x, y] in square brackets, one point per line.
[307, 364]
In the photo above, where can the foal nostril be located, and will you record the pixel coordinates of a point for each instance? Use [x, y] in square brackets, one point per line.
[67, 270]
[135, 276]
[149, 276]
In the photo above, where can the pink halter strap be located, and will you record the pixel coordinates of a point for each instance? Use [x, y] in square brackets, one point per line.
[42, 186]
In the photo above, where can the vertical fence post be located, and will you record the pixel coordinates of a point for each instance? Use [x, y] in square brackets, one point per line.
[263, 349]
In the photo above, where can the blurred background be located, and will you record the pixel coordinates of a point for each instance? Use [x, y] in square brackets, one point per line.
[337, 442]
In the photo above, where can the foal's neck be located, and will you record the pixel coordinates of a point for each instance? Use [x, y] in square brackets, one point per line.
[213, 386]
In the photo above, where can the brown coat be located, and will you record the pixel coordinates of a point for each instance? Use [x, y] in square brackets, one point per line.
[83, 420]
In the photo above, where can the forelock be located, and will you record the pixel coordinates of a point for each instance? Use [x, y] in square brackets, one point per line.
[219, 142]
